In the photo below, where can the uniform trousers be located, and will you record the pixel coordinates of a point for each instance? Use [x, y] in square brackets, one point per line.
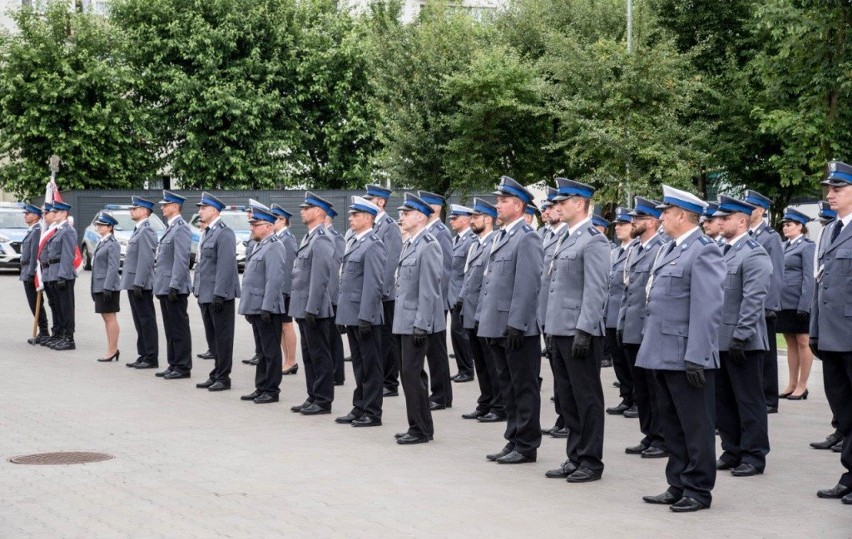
[461, 344]
[209, 332]
[367, 368]
[64, 311]
[770, 365]
[837, 378]
[145, 321]
[741, 410]
[516, 374]
[222, 329]
[267, 374]
[55, 315]
[178, 336]
[32, 293]
[581, 400]
[258, 347]
[335, 341]
[415, 385]
[645, 398]
[390, 350]
[688, 417]
[560, 421]
[490, 398]
[439, 368]
[621, 366]
[316, 356]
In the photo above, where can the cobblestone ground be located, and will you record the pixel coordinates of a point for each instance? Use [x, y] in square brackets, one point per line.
[189, 463]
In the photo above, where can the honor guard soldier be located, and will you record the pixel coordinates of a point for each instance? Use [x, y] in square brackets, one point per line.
[310, 305]
[620, 364]
[29, 263]
[464, 238]
[288, 333]
[743, 341]
[436, 356]
[507, 317]
[830, 338]
[712, 226]
[359, 310]
[546, 218]
[489, 406]
[137, 278]
[574, 321]
[530, 215]
[262, 302]
[216, 285]
[631, 317]
[335, 335]
[59, 274]
[770, 240]
[172, 286]
[49, 292]
[387, 230]
[680, 344]
[418, 313]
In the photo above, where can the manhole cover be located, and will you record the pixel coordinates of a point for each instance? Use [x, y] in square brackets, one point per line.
[64, 457]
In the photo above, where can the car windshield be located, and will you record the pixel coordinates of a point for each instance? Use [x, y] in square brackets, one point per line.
[126, 223]
[12, 220]
[236, 221]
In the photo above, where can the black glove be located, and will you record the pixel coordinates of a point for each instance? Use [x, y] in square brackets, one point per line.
[107, 295]
[582, 344]
[61, 285]
[457, 307]
[802, 316]
[695, 374]
[770, 314]
[341, 329]
[419, 337]
[137, 292]
[218, 303]
[514, 338]
[619, 338]
[364, 329]
[173, 294]
[311, 319]
[266, 316]
[476, 326]
[813, 344]
[737, 351]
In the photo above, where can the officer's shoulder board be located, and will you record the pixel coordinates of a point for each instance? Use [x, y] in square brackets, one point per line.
[526, 227]
[428, 237]
[593, 231]
[274, 237]
[752, 244]
[373, 237]
[705, 240]
[221, 224]
[321, 231]
[807, 240]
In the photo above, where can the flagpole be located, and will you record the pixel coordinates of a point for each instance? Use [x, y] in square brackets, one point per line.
[53, 163]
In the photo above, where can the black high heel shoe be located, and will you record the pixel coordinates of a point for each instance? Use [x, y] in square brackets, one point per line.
[785, 395]
[802, 397]
[292, 370]
[108, 359]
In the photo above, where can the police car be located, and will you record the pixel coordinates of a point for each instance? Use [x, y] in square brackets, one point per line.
[122, 232]
[237, 220]
[12, 232]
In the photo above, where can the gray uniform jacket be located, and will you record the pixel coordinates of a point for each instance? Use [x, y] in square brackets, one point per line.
[313, 271]
[387, 231]
[29, 252]
[512, 280]
[262, 278]
[799, 281]
[105, 262]
[139, 259]
[362, 282]
[770, 240]
[631, 314]
[472, 285]
[216, 273]
[831, 312]
[549, 245]
[746, 284]
[339, 248]
[577, 288]
[461, 246]
[59, 252]
[685, 300]
[288, 240]
[616, 284]
[419, 303]
[440, 232]
[171, 261]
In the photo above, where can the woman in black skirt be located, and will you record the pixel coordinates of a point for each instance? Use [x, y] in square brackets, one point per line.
[796, 297]
[106, 281]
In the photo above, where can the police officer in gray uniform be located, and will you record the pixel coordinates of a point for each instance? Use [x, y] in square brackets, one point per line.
[387, 231]
[288, 333]
[740, 408]
[217, 285]
[29, 261]
[436, 356]
[489, 406]
[830, 338]
[577, 292]
[359, 310]
[137, 279]
[335, 335]
[507, 317]
[620, 363]
[49, 292]
[680, 344]
[770, 240]
[310, 305]
[419, 313]
[172, 286]
[464, 238]
[262, 302]
[60, 251]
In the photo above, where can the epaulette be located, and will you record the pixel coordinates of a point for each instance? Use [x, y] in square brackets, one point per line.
[274, 238]
[221, 224]
[320, 231]
[807, 240]
[752, 244]
[593, 231]
[705, 240]
[333, 232]
[428, 237]
[374, 237]
[526, 228]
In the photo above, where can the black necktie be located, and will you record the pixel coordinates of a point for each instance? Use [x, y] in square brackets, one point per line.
[836, 231]
[726, 248]
[502, 234]
[639, 250]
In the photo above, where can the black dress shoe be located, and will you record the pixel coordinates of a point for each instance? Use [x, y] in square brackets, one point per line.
[491, 417]
[723, 464]
[314, 409]
[545, 432]
[636, 449]
[632, 412]
[560, 433]
[687, 505]
[666, 498]
[516, 458]
[163, 373]
[390, 393]
[435, 406]
[133, 364]
[175, 375]
[476, 414]
[564, 470]
[206, 384]
[266, 398]
[399, 435]
[410, 439]
[251, 396]
[219, 386]
[829, 441]
[654, 453]
[618, 410]
[583, 475]
[847, 499]
[616, 384]
[771, 409]
[745, 470]
[147, 365]
[348, 418]
[64, 344]
[252, 360]
[494, 456]
[298, 407]
[462, 378]
[206, 355]
[838, 491]
[838, 447]
[366, 421]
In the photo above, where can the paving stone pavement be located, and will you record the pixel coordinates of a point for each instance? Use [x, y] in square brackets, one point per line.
[190, 463]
